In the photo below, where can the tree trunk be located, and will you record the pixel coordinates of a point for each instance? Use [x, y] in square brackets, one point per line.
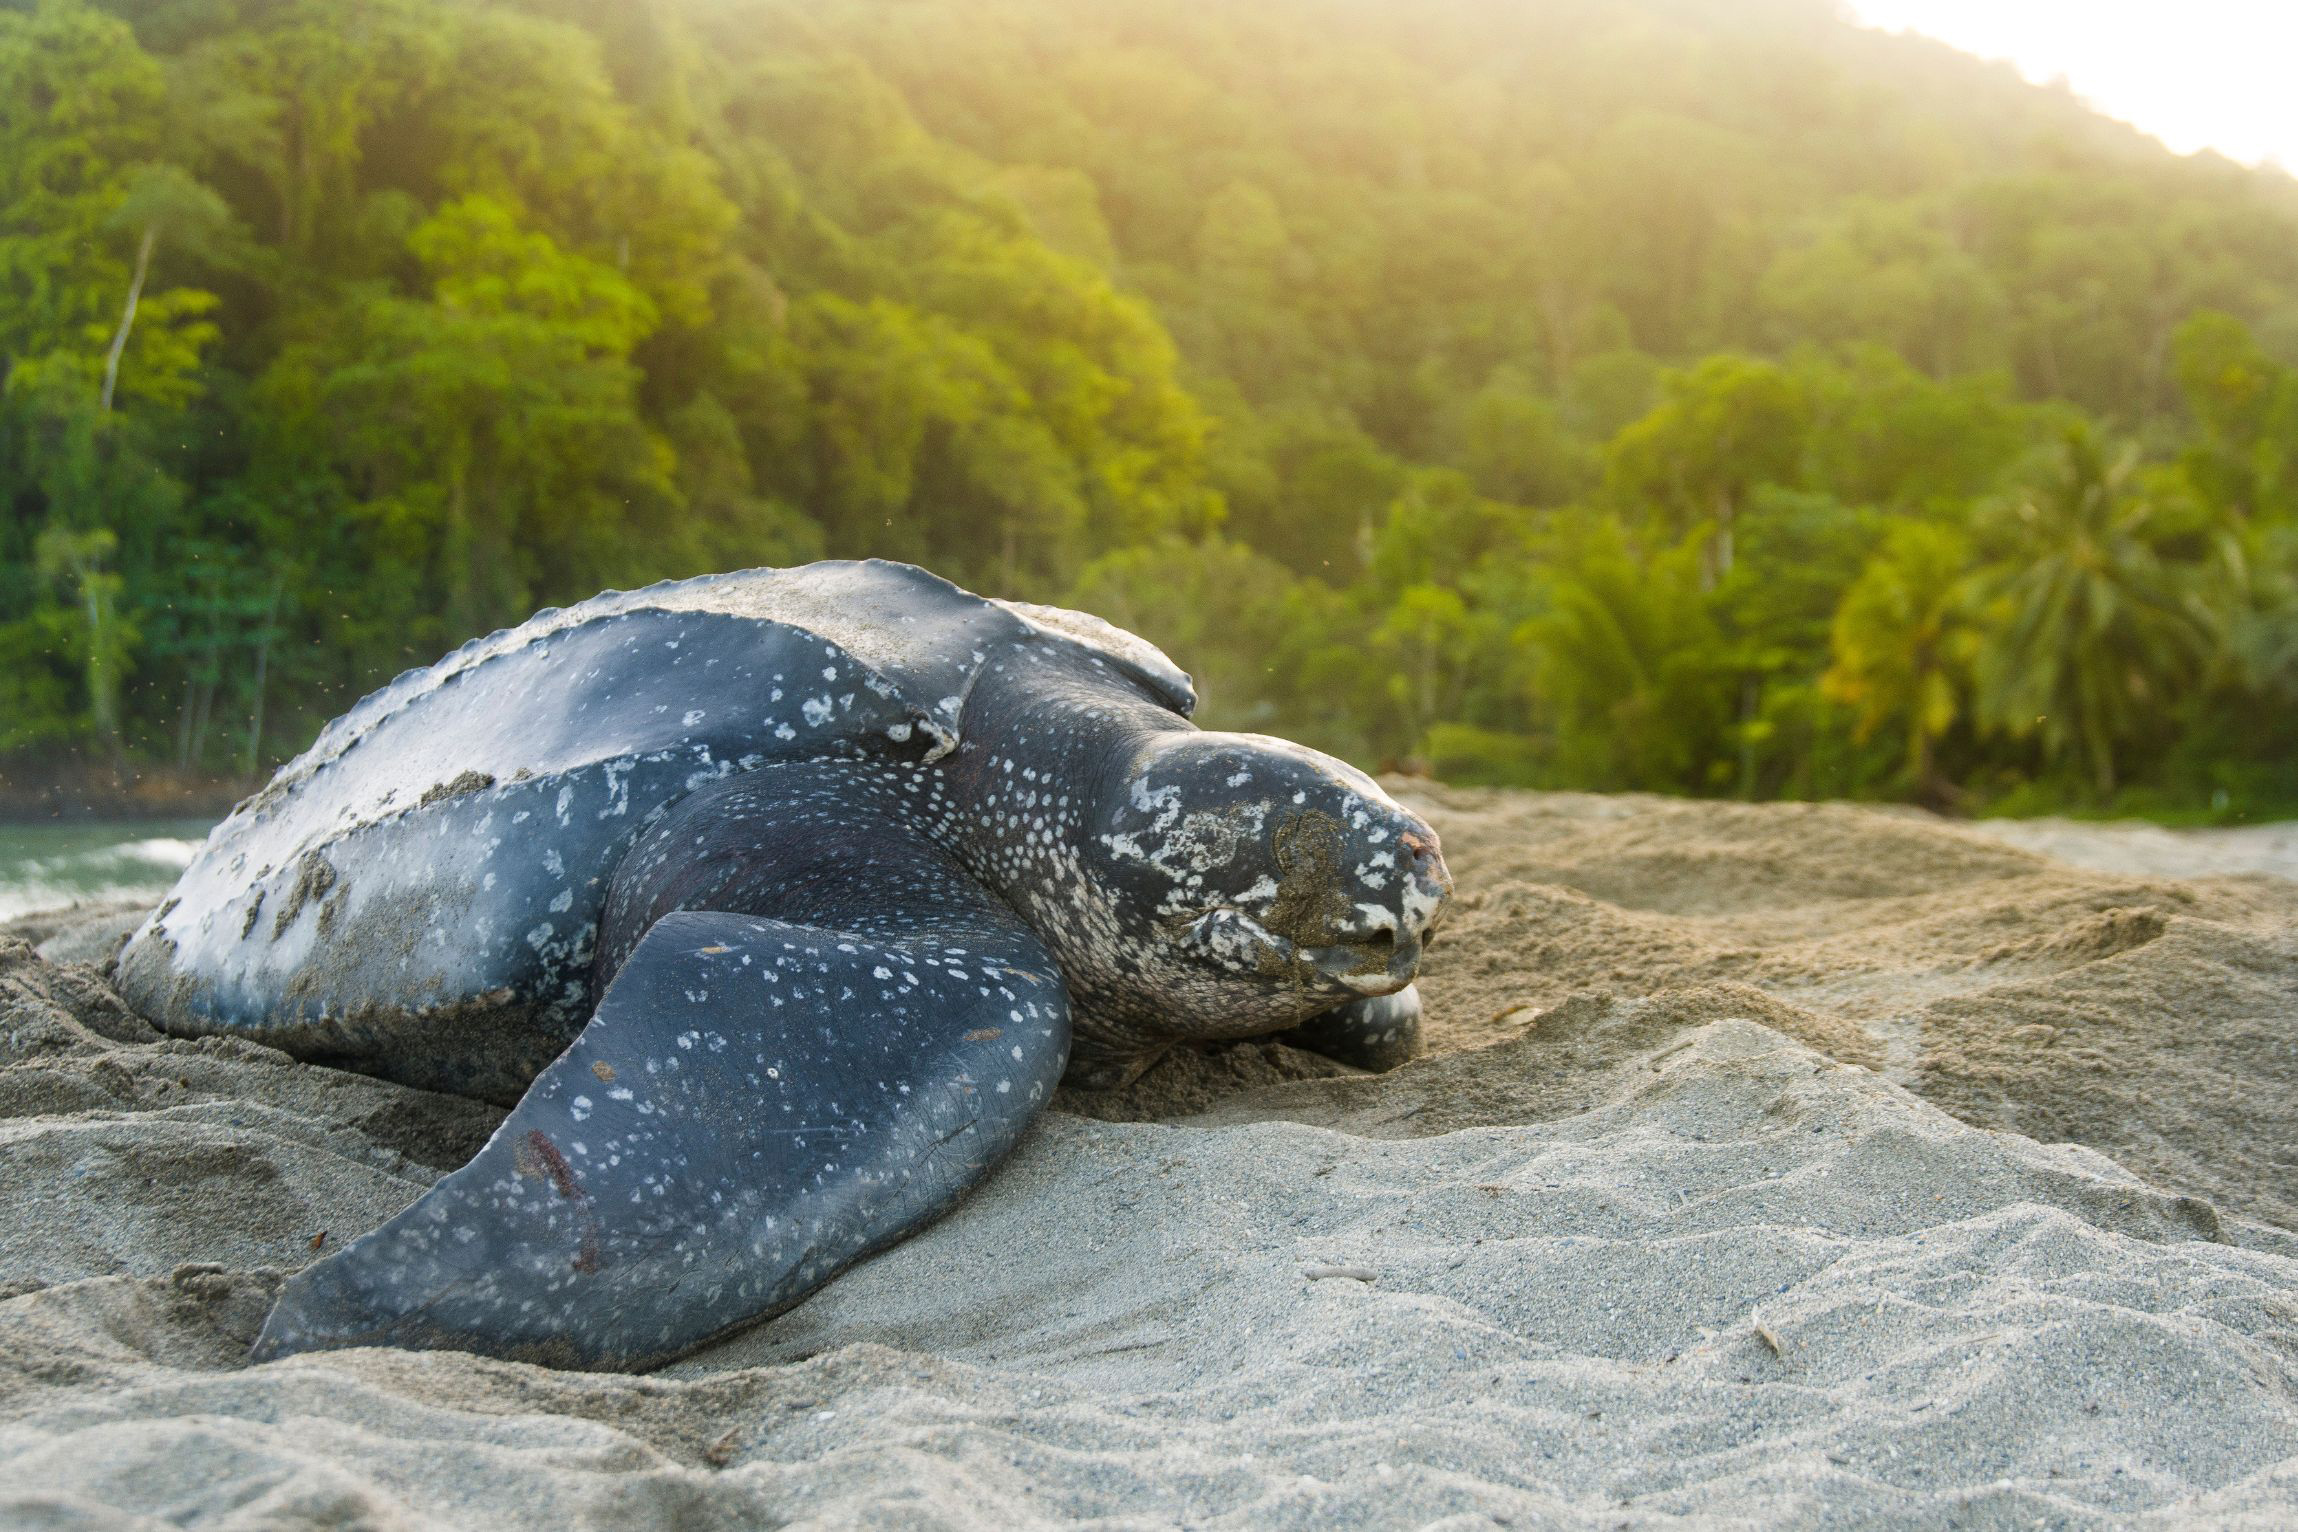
[2157, 363]
[202, 710]
[460, 545]
[262, 664]
[1560, 322]
[183, 728]
[1750, 704]
[1931, 790]
[96, 603]
[2050, 359]
[303, 180]
[2100, 747]
[128, 315]
[1716, 552]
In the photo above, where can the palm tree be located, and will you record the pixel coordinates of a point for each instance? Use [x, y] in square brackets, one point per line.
[1625, 665]
[1902, 643]
[2093, 627]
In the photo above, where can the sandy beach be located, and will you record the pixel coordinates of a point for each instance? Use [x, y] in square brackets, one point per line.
[1788, 1165]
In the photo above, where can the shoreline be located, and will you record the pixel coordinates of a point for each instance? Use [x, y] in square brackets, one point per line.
[140, 793]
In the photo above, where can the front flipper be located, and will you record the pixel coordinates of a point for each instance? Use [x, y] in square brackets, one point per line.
[755, 1105]
[1378, 1032]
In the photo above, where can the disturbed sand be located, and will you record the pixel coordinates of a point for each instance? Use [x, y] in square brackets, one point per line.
[1782, 1165]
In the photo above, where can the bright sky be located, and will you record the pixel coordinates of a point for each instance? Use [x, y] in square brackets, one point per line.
[2218, 74]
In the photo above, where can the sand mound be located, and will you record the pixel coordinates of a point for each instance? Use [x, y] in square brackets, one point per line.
[1633, 1245]
[2148, 1016]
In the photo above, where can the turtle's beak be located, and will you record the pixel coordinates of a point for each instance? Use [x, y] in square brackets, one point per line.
[1379, 951]
[1378, 964]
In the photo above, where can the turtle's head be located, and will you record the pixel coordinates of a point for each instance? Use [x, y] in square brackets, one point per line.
[1286, 876]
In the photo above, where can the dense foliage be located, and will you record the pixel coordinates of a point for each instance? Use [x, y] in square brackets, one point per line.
[1691, 395]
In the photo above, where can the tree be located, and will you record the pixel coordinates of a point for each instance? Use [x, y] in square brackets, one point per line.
[499, 416]
[103, 637]
[2247, 406]
[924, 446]
[728, 523]
[1515, 446]
[1623, 665]
[2089, 631]
[1427, 640]
[521, 110]
[1903, 645]
[80, 104]
[1721, 428]
[330, 71]
[1269, 650]
[162, 202]
[1798, 551]
[1564, 263]
[1884, 434]
[1437, 529]
[1885, 274]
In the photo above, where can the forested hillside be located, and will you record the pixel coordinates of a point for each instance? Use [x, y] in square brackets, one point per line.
[1691, 395]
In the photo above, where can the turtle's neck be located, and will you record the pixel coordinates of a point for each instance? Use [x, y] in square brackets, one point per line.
[1047, 735]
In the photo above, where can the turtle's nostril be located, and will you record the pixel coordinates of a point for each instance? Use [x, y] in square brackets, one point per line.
[1428, 884]
[1426, 859]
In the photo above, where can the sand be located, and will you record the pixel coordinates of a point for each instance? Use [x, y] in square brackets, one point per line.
[1710, 1206]
[2133, 845]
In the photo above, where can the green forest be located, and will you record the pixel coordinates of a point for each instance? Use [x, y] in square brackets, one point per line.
[1694, 396]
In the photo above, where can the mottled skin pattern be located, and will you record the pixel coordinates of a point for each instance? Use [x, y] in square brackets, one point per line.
[779, 902]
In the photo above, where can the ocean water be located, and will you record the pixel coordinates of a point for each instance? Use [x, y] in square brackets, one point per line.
[47, 865]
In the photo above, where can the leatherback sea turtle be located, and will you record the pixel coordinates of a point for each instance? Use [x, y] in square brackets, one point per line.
[779, 902]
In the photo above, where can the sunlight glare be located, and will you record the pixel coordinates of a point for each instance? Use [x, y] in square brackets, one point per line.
[2199, 74]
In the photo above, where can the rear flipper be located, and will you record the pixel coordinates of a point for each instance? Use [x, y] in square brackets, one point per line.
[1378, 1032]
[755, 1105]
